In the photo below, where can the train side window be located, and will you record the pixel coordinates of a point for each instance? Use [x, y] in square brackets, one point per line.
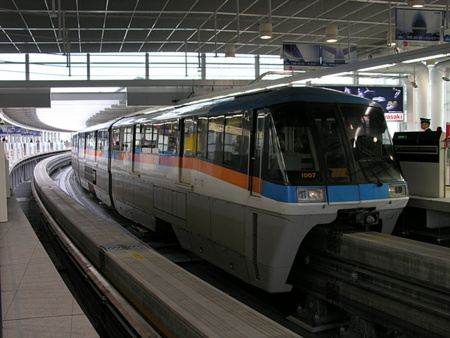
[98, 143]
[215, 139]
[74, 143]
[162, 135]
[233, 140]
[172, 139]
[116, 139]
[82, 145]
[127, 142]
[90, 143]
[202, 136]
[147, 143]
[102, 140]
[189, 137]
[167, 142]
[137, 138]
[157, 138]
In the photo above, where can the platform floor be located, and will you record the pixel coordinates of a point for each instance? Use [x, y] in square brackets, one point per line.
[35, 302]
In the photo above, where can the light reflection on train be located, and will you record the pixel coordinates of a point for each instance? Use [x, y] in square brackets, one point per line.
[242, 180]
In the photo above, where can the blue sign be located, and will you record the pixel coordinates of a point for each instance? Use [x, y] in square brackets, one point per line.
[390, 98]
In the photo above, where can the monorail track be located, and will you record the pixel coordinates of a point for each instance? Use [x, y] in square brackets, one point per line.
[150, 293]
[399, 284]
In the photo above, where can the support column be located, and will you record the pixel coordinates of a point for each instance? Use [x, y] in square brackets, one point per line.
[4, 184]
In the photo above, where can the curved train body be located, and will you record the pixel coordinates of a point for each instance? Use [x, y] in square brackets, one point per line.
[243, 180]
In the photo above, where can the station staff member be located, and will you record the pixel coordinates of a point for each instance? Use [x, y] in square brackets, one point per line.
[425, 124]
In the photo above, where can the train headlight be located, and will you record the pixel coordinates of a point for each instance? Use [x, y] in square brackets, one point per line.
[310, 195]
[398, 190]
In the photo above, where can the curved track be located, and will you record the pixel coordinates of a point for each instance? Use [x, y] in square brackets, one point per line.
[166, 300]
[400, 284]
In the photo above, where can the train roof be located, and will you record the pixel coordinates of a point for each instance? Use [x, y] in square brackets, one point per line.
[288, 94]
[241, 102]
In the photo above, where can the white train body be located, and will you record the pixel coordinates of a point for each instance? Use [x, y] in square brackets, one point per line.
[243, 180]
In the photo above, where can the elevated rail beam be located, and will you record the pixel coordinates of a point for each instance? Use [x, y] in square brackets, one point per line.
[398, 283]
[169, 299]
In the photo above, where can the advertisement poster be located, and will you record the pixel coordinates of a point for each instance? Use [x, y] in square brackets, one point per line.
[19, 131]
[333, 55]
[298, 55]
[418, 28]
[390, 98]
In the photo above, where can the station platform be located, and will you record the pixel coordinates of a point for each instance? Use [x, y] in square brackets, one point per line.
[430, 203]
[35, 302]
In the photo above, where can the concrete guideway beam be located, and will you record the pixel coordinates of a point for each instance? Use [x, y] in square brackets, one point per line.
[395, 282]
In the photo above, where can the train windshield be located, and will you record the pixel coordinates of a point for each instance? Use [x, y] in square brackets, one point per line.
[353, 145]
[370, 143]
[292, 155]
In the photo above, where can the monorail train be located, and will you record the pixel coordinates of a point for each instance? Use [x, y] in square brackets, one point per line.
[242, 180]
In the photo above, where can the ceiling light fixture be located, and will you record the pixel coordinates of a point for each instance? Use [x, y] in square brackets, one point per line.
[230, 50]
[376, 67]
[265, 30]
[437, 56]
[417, 3]
[331, 33]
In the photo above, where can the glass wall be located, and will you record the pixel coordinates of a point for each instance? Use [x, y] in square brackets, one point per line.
[130, 66]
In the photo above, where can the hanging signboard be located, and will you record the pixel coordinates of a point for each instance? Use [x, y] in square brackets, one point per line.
[390, 98]
[418, 28]
[19, 131]
[300, 54]
[297, 55]
[333, 55]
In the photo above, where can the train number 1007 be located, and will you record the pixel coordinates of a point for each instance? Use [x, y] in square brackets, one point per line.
[308, 175]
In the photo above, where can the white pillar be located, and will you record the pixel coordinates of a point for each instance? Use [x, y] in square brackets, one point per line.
[422, 102]
[437, 106]
[4, 189]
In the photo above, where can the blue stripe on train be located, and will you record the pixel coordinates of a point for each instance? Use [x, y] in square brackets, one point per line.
[335, 193]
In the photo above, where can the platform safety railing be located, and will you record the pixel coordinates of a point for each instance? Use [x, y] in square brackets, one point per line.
[17, 161]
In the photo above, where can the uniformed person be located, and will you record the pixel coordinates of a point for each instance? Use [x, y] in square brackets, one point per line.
[425, 124]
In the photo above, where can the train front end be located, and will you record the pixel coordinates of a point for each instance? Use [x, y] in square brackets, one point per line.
[327, 159]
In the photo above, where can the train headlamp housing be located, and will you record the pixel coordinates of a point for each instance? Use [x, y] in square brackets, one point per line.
[398, 190]
[310, 194]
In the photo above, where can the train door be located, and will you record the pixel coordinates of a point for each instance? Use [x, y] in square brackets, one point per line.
[188, 146]
[256, 152]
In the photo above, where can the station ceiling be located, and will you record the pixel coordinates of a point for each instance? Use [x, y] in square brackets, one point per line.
[82, 26]
[206, 26]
